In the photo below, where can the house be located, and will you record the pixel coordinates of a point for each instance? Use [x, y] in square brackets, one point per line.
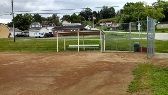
[65, 22]
[162, 25]
[47, 24]
[4, 31]
[17, 31]
[72, 24]
[35, 25]
[106, 23]
[34, 28]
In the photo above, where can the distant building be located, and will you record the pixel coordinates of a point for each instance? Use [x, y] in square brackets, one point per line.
[34, 28]
[35, 25]
[106, 23]
[47, 24]
[162, 25]
[67, 28]
[4, 31]
[66, 23]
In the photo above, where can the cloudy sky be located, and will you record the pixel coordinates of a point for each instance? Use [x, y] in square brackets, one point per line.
[55, 6]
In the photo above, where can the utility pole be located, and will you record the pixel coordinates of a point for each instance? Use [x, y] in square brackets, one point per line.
[13, 22]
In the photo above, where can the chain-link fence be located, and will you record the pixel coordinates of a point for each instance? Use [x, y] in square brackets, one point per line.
[150, 37]
[138, 36]
[134, 37]
[117, 39]
[123, 37]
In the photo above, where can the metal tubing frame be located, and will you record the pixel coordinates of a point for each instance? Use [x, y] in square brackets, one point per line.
[57, 41]
[78, 40]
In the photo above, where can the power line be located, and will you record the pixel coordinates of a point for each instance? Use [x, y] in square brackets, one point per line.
[38, 1]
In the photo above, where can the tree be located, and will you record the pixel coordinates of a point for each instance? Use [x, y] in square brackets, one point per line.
[27, 20]
[86, 13]
[37, 18]
[54, 19]
[107, 12]
[23, 22]
[164, 6]
[158, 3]
[67, 18]
[133, 12]
[97, 16]
[76, 18]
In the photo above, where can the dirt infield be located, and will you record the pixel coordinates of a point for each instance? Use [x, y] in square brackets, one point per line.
[72, 73]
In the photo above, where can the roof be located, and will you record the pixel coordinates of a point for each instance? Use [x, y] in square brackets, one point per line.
[47, 24]
[35, 24]
[105, 20]
[69, 27]
[72, 24]
[35, 28]
[74, 33]
[72, 30]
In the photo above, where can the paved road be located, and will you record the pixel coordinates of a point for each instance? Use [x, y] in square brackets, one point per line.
[158, 36]
[161, 36]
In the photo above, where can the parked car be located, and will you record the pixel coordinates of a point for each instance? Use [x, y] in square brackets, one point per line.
[43, 35]
[22, 35]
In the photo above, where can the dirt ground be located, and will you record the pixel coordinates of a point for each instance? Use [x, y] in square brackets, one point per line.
[68, 73]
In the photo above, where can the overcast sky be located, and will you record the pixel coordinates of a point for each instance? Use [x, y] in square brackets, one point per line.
[36, 6]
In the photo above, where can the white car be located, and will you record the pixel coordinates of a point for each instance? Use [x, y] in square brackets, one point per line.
[39, 35]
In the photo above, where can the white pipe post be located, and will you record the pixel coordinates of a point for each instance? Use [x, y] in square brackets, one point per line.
[104, 42]
[64, 44]
[57, 41]
[101, 41]
[83, 42]
[78, 40]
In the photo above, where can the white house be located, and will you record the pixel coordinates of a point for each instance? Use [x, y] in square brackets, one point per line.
[34, 29]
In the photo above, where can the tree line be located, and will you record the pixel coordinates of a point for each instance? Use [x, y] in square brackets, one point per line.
[131, 12]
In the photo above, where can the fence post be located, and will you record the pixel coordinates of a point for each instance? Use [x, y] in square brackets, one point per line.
[130, 37]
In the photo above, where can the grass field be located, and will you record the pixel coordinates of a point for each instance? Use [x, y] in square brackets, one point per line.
[161, 30]
[49, 45]
[150, 79]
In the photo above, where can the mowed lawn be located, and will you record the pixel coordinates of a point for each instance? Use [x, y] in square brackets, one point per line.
[50, 45]
[150, 80]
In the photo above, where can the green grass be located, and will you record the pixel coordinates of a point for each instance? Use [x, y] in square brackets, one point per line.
[161, 30]
[150, 77]
[113, 43]
[38, 45]
[124, 35]
[161, 46]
